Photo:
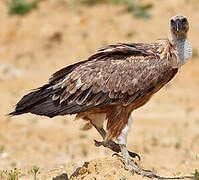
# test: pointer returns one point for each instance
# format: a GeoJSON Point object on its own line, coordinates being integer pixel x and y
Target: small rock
{"type": "Point", "coordinates": [4, 155]}
{"type": "Point", "coordinates": [62, 176]}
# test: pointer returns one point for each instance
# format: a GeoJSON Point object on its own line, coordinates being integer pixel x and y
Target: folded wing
{"type": "Point", "coordinates": [117, 74]}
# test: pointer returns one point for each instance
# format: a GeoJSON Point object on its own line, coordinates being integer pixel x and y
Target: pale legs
{"type": "Point", "coordinates": [122, 140]}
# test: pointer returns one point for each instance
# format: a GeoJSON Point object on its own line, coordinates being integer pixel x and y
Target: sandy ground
{"type": "Point", "coordinates": [165, 131]}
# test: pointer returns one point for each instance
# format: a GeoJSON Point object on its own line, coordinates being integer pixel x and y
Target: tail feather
{"type": "Point", "coordinates": [30, 99]}
{"type": "Point", "coordinates": [36, 102]}
{"type": "Point", "coordinates": [40, 102]}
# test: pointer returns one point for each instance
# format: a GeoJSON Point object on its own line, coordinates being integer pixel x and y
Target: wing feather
{"type": "Point", "coordinates": [125, 72]}
{"type": "Point", "coordinates": [125, 79]}
{"type": "Point", "coordinates": [116, 74]}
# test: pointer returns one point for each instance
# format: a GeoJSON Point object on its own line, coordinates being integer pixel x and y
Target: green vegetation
{"type": "Point", "coordinates": [88, 2]}
{"type": "Point", "coordinates": [10, 175]}
{"type": "Point", "coordinates": [15, 174]}
{"type": "Point", "coordinates": [35, 172]}
{"type": "Point", "coordinates": [138, 9]}
{"type": "Point", "coordinates": [123, 178]}
{"type": "Point", "coordinates": [21, 7]}
{"type": "Point", "coordinates": [196, 174]}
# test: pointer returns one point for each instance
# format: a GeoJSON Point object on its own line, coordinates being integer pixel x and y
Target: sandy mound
{"type": "Point", "coordinates": [32, 47]}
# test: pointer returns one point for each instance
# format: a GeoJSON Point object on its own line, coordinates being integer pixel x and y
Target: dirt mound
{"type": "Point", "coordinates": [114, 169]}
{"type": "Point", "coordinates": [104, 168]}
{"type": "Point", "coordinates": [32, 47]}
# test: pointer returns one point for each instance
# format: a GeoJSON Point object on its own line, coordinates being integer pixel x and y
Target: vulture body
{"type": "Point", "coordinates": [112, 83]}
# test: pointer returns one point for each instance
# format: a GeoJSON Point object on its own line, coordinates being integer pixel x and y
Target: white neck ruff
{"type": "Point", "coordinates": [184, 51]}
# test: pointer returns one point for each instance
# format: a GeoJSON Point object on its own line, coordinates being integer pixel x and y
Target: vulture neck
{"type": "Point", "coordinates": [184, 50]}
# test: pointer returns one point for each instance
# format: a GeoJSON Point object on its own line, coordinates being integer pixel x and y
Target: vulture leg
{"type": "Point", "coordinates": [122, 140]}
{"type": "Point", "coordinates": [129, 163]}
{"type": "Point", "coordinates": [101, 131]}
{"type": "Point", "coordinates": [111, 144]}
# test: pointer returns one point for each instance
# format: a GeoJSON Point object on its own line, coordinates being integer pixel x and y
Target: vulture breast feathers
{"type": "Point", "coordinates": [119, 74]}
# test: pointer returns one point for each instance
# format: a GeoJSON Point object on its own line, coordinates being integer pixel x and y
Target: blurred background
{"type": "Point", "coordinates": [39, 37]}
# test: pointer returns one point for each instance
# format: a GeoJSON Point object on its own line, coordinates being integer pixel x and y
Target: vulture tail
{"type": "Point", "coordinates": [38, 102]}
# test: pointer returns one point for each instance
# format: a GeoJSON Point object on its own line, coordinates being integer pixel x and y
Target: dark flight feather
{"type": "Point", "coordinates": [122, 76]}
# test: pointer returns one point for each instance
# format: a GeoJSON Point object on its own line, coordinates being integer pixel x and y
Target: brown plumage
{"type": "Point", "coordinates": [116, 80]}
{"type": "Point", "coordinates": [111, 84]}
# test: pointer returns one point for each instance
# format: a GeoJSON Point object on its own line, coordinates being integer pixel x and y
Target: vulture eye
{"type": "Point", "coordinates": [172, 21]}
{"type": "Point", "coordinates": [184, 20]}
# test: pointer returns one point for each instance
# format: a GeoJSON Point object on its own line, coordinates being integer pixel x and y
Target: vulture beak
{"type": "Point", "coordinates": [178, 25]}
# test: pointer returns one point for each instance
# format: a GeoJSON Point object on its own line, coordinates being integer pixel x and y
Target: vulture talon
{"type": "Point", "coordinates": [134, 155]}
{"type": "Point", "coordinates": [116, 154]}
